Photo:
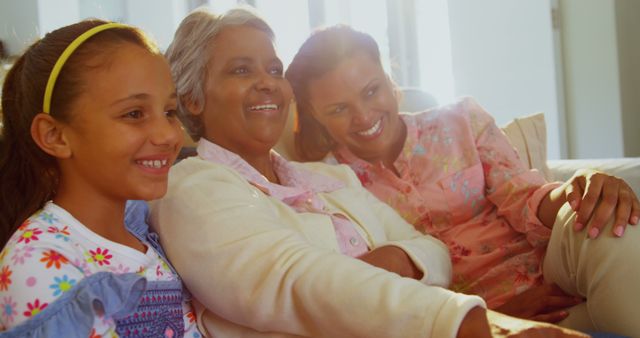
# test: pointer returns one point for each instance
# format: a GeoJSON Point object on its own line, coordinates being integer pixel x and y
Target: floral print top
{"type": "Point", "coordinates": [52, 251]}
{"type": "Point", "coordinates": [462, 182]}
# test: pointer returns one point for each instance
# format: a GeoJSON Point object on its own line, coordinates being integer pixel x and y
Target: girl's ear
{"type": "Point", "coordinates": [48, 134]}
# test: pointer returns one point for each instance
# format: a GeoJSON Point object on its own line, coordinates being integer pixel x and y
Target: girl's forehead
{"type": "Point", "coordinates": [131, 71]}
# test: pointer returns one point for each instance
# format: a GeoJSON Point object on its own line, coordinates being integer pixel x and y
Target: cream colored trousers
{"type": "Point", "coordinates": [605, 270]}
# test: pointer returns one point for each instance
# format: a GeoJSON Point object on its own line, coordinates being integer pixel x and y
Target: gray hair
{"type": "Point", "coordinates": [188, 56]}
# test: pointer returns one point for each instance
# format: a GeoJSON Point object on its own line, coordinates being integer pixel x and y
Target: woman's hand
{"type": "Point", "coordinates": [544, 303]}
{"type": "Point", "coordinates": [394, 259]}
{"type": "Point", "coordinates": [595, 197]}
{"type": "Point", "coordinates": [481, 323]}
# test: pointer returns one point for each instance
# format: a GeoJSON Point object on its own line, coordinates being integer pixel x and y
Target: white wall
{"type": "Point", "coordinates": [628, 29]}
{"type": "Point", "coordinates": [503, 55]}
{"type": "Point", "coordinates": [287, 40]}
{"type": "Point", "coordinates": [23, 22]}
{"type": "Point", "coordinates": [434, 49]}
{"type": "Point", "coordinates": [162, 23]}
{"type": "Point", "coordinates": [55, 14]}
{"type": "Point", "coordinates": [112, 10]}
{"type": "Point", "coordinates": [585, 75]}
{"type": "Point", "coordinates": [592, 83]}
{"type": "Point", "coordinates": [18, 24]}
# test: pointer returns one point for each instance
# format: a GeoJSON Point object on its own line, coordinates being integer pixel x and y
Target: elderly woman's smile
{"type": "Point", "coordinates": [268, 108]}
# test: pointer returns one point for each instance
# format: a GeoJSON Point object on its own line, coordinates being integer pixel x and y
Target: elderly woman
{"type": "Point", "coordinates": [272, 248]}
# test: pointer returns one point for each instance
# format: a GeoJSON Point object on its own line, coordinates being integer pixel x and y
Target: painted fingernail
{"type": "Point", "coordinates": [578, 226]}
{"type": "Point", "coordinates": [593, 233]}
{"type": "Point", "coordinates": [619, 231]}
{"type": "Point", "coordinates": [634, 220]}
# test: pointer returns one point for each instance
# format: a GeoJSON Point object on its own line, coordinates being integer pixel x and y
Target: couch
{"type": "Point", "coordinates": [528, 135]}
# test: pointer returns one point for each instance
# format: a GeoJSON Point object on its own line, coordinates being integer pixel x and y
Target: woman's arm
{"type": "Point", "coordinates": [242, 257]}
{"type": "Point", "coordinates": [596, 197]}
{"type": "Point", "coordinates": [396, 245]}
{"type": "Point", "coordinates": [394, 259]}
{"type": "Point", "coordinates": [522, 196]}
{"type": "Point", "coordinates": [515, 190]}
{"type": "Point", "coordinates": [549, 207]}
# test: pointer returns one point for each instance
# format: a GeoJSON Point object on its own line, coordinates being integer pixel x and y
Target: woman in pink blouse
{"type": "Point", "coordinates": [452, 173]}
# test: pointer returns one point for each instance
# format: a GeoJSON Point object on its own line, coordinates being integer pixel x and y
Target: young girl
{"type": "Point", "coordinates": [89, 123]}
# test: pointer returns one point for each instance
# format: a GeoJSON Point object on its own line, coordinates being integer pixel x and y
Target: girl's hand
{"type": "Point", "coordinates": [595, 197]}
{"type": "Point", "coordinates": [481, 323]}
{"type": "Point", "coordinates": [544, 303]}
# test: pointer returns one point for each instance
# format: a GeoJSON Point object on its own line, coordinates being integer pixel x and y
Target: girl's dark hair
{"type": "Point", "coordinates": [321, 53]}
{"type": "Point", "coordinates": [28, 175]}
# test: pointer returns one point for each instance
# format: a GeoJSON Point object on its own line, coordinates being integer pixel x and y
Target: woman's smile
{"type": "Point", "coordinates": [373, 132]}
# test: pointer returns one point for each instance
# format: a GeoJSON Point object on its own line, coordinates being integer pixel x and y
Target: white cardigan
{"type": "Point", "coordinates": [258, 268]}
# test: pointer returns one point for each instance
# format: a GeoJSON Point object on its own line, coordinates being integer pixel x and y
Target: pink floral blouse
{"type": "Point", "coordinates": [462, 182]}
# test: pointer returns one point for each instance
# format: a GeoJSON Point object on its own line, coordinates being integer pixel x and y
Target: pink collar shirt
{"type": "Point", "coordinates": [298, 189]}
{"type": "Point", "coordinates": [462, 182]}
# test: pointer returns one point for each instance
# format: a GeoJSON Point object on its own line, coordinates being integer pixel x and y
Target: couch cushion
{"type": "Point", "coordinates": [627, 168]}
{"type": "Point", "coordinates": [529, 136]}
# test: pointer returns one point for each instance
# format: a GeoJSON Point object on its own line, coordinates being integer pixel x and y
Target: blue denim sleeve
{"type": "Point", "coordinates": [136, 214]}
{"type": "Point", "coordinates": [72, 315]}
{"type": "Point", "coordinates": [136, 219]}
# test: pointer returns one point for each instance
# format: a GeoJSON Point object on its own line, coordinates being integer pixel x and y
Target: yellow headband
{"type": "Point", "coordinates": [48, 92]}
